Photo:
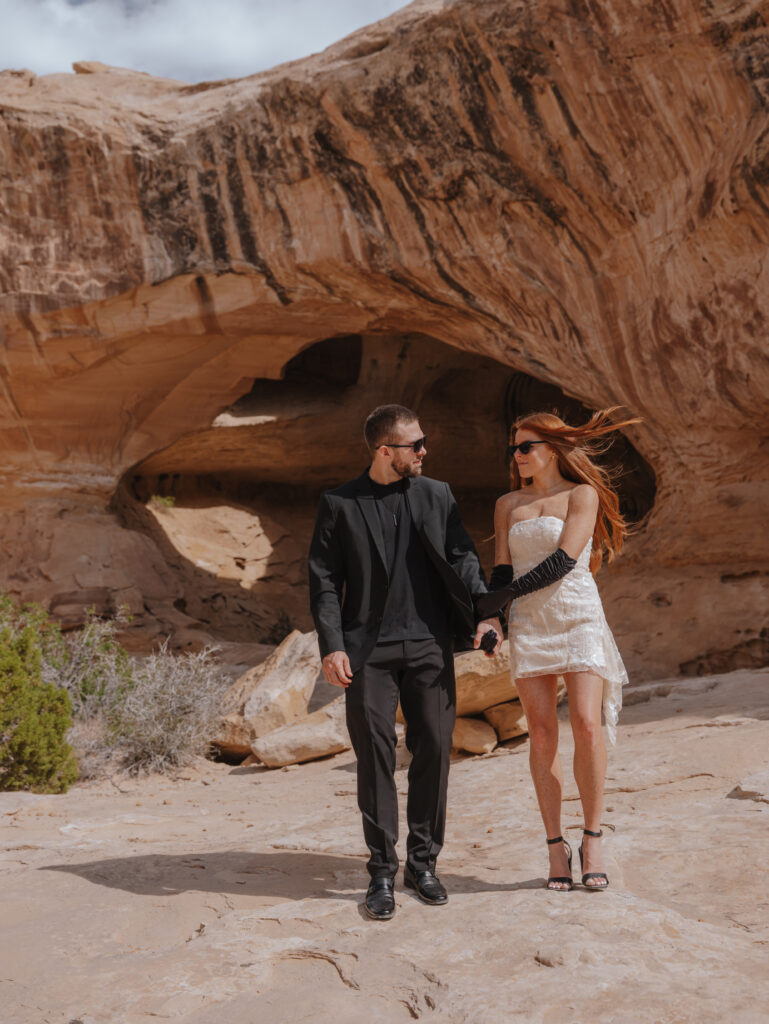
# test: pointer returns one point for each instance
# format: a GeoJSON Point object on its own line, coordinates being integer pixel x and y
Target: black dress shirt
{"type": "Point", "coordinates": [417, 605]}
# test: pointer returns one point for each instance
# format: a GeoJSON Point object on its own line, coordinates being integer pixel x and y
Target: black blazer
{"type": "Point", "coordinates": [348, 567]}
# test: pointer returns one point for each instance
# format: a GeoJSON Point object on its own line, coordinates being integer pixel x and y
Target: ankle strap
{"type": "Point", "coordinates": [595, 835]}
{"type": "Point", "coordinates": [558, 839]}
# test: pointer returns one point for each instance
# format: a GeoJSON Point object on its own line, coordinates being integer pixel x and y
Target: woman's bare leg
{"type": "Point", "coordinates": [585, 695]}
{"type": "Point", "coordinates": [538, 698]}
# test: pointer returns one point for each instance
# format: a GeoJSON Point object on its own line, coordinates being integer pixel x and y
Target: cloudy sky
{"type": "Point", "coordinates": [192, 40]}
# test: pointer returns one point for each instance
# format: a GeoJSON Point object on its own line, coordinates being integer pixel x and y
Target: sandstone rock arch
{"type": "Point", "coordinates": [282, 443]}
{"type": "Point", "coordinates": [578, 192]}
{"type": "Point", "coordinates": [277, 447]}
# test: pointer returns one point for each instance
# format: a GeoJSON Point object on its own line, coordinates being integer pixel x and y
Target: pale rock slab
{"type": "Point", "coordinates": [508, 720]}
{"type": "Point", "coordinates": [474, 736]}
{"type": "Point", "coordinates": [265, 870]}
{"type": "Point", "coordinates": [272, 695]}
{"type": "Point", "coordinates": [483, 682]}
{"type": "Point", "coordinates": [322, 733]}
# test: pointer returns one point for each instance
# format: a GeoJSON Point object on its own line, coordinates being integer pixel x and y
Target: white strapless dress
{"type": "Point", "coordinates": [562, 628]}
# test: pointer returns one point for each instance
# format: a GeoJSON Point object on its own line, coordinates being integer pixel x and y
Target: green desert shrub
{"type": "Point", "coordinates": [47, 632]}
{"type": "Point", "coordinates": [34, 719]}
{"type": "Point", "coordinates": [134, 714]}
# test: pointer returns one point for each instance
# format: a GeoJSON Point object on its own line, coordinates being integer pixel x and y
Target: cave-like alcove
{"type": "Point", "coordinates": [233, 505]}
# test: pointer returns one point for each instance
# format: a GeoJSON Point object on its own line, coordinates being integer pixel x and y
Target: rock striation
{"type": "Point", "coordinates": [576, 192]}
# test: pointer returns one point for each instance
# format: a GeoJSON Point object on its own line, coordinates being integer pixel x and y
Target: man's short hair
{"type": "Point", "coordinates": [381, 423]}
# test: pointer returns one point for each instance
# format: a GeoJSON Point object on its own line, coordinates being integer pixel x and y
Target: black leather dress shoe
{"type": "Point", "coordinates": [380, 901]}
{"type": "Point", "coordinates": [427, 886]}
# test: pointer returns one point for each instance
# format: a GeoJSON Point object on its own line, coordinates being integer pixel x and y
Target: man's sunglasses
{"type": "Point", "coordinates": [524, 447]}
{"type": "Point", "coordinates": [415, 446]}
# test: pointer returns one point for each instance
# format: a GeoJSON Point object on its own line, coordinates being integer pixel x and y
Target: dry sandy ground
{"type": "Point", "coordinates": [234, 894]}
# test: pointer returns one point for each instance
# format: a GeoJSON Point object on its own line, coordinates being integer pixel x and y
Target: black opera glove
{"type": "Point", "coordinates": [501, 576]}
{"type": "Point", "coordinates": [549, 570]}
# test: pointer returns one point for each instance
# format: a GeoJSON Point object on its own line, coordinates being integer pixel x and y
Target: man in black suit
{"type": "Point", "coordinates": [393, 582]}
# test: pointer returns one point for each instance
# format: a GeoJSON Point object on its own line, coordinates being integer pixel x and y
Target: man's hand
{"type": "Point", "coordinates": [484, 627]}
{"type": "Point", "coordinates": [336, 669]}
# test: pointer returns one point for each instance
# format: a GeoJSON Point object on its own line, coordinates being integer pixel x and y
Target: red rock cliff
{"type": "Point", "coordinates": [577, 190]}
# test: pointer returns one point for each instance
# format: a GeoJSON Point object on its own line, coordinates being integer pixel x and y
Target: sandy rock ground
{"type": "Point", "coordinates": [234, 894]}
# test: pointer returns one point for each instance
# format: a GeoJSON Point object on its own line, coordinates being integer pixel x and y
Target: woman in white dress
{"type": "Point", "coordinates": [552, 530]}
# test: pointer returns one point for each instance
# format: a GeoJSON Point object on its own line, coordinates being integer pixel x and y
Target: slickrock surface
{"type": "Point", "coordinates": [577, 191]}
{"type": "Point", "coordinates": [234, 894]}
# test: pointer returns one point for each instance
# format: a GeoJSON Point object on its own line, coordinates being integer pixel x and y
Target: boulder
{"type": "Point", "coordinates": [474, 736]}
{"type": "Point", "coordinates": [317, 735]}
{"type": "Point", "coordinates": [483, 682]}
{"type": "Point", "coordinates": [272, 695]}
{"type": "Point", "coordinates": [507, 719]}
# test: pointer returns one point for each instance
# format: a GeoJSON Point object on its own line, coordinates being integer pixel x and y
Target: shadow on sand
{"type": "Point", "coordinates": [287, 875]}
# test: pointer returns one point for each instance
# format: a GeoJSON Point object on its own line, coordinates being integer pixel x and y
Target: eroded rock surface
{"type": "Point", "coordinates": [204, 901]}
{"type": "Point", "coordinates": [579, 192]}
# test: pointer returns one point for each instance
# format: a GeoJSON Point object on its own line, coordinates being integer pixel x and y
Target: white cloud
{"type": "Point", "coordinates": [192, 40]}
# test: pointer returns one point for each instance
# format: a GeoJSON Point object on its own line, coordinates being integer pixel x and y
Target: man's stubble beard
{"type": "Point", "coordinates": [406, 470]}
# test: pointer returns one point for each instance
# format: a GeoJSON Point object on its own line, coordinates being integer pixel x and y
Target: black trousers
{"type": "Point", "coordinates": [421, 674]}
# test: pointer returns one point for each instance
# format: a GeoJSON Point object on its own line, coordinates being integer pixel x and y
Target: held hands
{"type": "Point", "coordinates": [484, 627]}
{"type": "Point", "coordinates": [336, 669]}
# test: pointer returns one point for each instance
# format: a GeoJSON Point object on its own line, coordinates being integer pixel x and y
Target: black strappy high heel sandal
{"type": "Point", "coordinates": [569, 882]}
{"type": "Point", "coordinates": [592, 874]}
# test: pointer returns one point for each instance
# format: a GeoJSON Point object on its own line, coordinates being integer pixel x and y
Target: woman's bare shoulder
{"type": "Point", "coordinates": [583, 497]}
{"type": "Point", "coordinates": [508, 501]}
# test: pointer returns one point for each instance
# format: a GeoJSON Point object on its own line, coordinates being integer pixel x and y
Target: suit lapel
{"type": "Point", "coordinates": [411, 497]}
{"type": "Point", "coordinates": [365, 499]}
{"type": "Point", "coordinates": [420, 516]}
{"type": "Point", "coordinates": [421, 519]}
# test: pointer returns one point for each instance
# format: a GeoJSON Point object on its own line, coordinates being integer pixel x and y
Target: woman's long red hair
{"type": "Point", "coordinates": [575, 448]}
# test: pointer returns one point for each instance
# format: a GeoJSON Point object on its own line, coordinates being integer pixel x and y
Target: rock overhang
{"type": "Point", "coordinates": [577, 194]}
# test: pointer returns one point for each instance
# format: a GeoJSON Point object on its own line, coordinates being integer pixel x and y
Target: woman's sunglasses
{"type": "Point", "coordinates": [524, 447]}
{"type": "Point", "coordinates": [416, 446]}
